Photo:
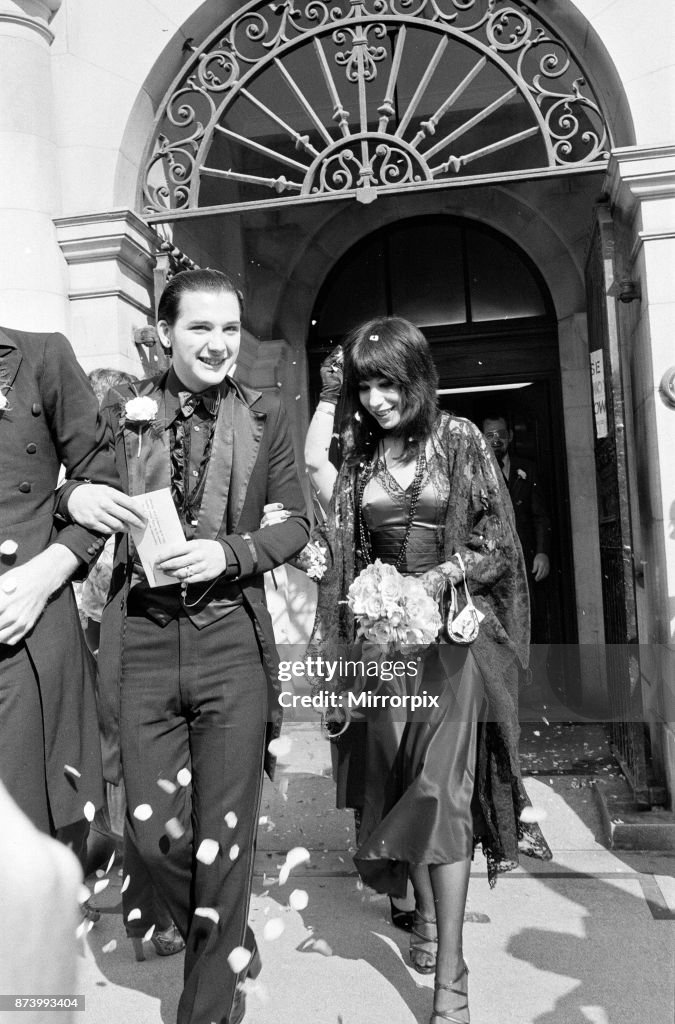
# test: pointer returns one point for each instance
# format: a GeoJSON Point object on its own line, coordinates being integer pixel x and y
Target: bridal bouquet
{"type": "Point", "coordinates": [393, 609]}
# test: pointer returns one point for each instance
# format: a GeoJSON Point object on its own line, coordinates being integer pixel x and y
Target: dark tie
{"type": "Point", "coordinates": [209, 398]}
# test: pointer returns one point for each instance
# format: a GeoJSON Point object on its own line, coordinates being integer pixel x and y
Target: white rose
{"type": "Point", "coordinates": [141, 410]}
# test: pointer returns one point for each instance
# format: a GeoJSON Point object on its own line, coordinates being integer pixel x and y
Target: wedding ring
{"type": "Point", "coordinates": [188, 572]}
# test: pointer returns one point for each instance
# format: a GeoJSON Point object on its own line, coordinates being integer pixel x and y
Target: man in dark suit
{"type": "Point", "coordinates": [534, 530]}
{"type": "Point", "coordinates": [532, 520]}
{"type": "Point", "coordinates": [188, 671]}
{"type": "Point", "coordinates": [49, 745]}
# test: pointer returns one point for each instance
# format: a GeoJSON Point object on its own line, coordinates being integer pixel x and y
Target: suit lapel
{"type": "Point", "coordinates": [150, 469]}
{"type": "Point", "coordinates": [218, 472]}
{"type": "Point", "coordinates": [248, 430]}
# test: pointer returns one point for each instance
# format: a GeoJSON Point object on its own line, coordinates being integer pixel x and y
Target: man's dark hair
{"type": "Point", "coordinates": [194, 281]}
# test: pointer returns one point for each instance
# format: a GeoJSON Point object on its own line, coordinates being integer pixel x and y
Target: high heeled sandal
{"type": "Point", "coordinates": [449, 1015]}
{"type": "Point", "coordinates": [418, 946]}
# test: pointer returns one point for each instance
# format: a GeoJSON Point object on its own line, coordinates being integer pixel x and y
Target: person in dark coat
{"type": "Point", "coordinates": [188, 672]}
{"type": "Point", "coordinates": [50, 758]}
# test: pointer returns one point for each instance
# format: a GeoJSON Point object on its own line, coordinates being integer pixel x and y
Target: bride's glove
{"type": "Point", "coordinates": [332, 374]}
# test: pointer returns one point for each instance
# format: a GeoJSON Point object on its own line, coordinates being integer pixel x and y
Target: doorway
{"type": "Point", "coordinates": [489, 318]}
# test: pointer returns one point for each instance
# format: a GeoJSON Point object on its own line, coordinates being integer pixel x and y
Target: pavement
{"type": "Point", "coordinates": [588, 938]}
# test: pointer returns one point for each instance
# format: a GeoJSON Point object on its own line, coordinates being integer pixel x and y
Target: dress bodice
{"type": "Point", "coordinates": [385, 509]}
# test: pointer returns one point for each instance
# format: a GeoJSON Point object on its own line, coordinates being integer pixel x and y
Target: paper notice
{"type": "Point", "coordinates": [162, 527]}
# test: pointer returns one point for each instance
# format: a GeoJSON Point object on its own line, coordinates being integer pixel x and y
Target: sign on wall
{"type": "Point", "coordinates": [599, 395]}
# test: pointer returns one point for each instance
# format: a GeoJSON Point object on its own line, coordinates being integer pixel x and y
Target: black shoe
{"type": "Point", "coordinates": [402, 919]}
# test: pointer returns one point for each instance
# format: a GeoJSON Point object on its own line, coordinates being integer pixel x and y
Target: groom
{"type": "Point", "coordinates": [188, 671]}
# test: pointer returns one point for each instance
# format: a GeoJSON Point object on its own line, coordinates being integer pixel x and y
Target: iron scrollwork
{"type": "Point", "coordinates": [355, 50]}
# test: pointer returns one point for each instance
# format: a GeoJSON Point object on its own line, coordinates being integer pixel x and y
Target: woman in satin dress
{"type": "Point", "coordinates": [416, 488]}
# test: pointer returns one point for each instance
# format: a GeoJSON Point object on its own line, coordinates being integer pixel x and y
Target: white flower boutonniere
{"type": "Point", "coordinates": [522, 474]}
{"type": "Point", "coordinates": [140, 411]}
{"type": "Point", "coordinates": [3, 402]}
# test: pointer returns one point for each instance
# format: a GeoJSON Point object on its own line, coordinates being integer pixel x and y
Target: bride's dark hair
{"type": "Point", "coordinates": [392, 348]}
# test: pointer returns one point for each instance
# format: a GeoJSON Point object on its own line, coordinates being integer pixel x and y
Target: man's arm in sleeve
{"type": "Point", "coordinates": [82, 440]}
{"type": "Point", "coordinates": [262, 550]}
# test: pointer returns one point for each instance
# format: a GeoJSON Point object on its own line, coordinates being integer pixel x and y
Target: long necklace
{"type": "Point", "coordinates": [364, 533]}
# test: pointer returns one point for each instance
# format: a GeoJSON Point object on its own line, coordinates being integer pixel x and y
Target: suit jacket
{"type": "Point", "coordinates": [251, 463]}
{"type": "Point", "coordinates": [51, 419]}
{"type": "Point", "coordinates": [532, 519]}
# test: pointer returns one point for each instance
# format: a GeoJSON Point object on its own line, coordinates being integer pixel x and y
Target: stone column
{"type": "Point", "coordinates": [642, 189]}
{"type": "Point", "coordinates": [33, 292]}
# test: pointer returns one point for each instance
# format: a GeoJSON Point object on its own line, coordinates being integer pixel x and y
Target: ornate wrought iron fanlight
{"type": "Point", "coordinates": [313, 99]}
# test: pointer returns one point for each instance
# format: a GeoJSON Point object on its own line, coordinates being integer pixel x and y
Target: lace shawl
{"type": "Point", "coordinates": [480, 526]}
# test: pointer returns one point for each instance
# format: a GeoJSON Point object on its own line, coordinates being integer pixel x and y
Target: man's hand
{"type": "Point", "coordinates": [24, 591]}
{"type": "Point", "coordinates": [540, 567]}
{"type": "Point", "coordinates": [102, 508]}
{"type": "Point", "coordinates": [272, 514]}
{"type": "Point", "coordinates": [192, 561]}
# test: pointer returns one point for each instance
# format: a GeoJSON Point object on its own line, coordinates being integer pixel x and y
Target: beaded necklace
{"type": "Point", "coordinates": [367, 471]}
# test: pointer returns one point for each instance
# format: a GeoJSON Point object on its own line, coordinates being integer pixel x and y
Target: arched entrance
{"type": "Point", "coordinates": [486, 310]}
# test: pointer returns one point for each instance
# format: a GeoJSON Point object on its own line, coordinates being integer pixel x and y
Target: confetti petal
{"type": "Point", "coordinates": [280, 746]}
{"type": "Point", "coordinates": [101, 885]}
{"type": "Point", "coordinates": [231, 819]}
{"type": "Point", "coordinates": [239, 959]}
{"type": "Point", "coordinates": [109, 947]}
{"type": "Point", "coordinates": [134, 915]}
{"type": "Point", "coordinates": [532, 814]}
{"type": "Point", "coordinates": [125, 883]}
{"type": "Point", "coordinates": [9, 547]}
{"type": "Point", "coordinates": [174, 829]}
{"type": "Point", "coordinates": [209, 912]}
{"type": "Point", "coordinates": [148, 935]}
{"type": "Point", "coordinates": [322, 947]}
{"type": "Point", "coordinates": [298, 899]}
{"type": "Point", "coordinates": [298, 855]}
{"type": "Point", "coordinates": [208, 851]}
{"type": "Point", "coordinates": [72, 771]}
{"type": "Point", "coordinates": [184, 777]}
{"type": "Point", "coordinates": [166, 785]}
{"type": "Point", "coordinates": [283, 874]}
{"type": "Point", "coordinates": [143, 812]}
{"type": "Point", "coordinates": [234, 852]}
{"type": "Point", "coordinates": [89, 811]}
{"type": "Point", "coordinates": [110, 862]}
{"type": "Point", "coordinates": [273, 929]}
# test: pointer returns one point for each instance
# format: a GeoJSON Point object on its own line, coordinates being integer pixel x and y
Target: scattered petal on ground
{"type": "Point", "coordinates": [101, 885]}
{"type": "Point", "coordinates": [184, 777]}
{"type": "Point", "coordinates": [298, 899]}
{"type": "Point", "coordinates": [89, 810]}
{"type": "Point", "coordinates": [109, 947]}
{"type": "Point", "coordinates": [174, 829]}
{"type": "Point", "coordinates": [231, 819]}
{"type": "Point", "coordinates": [166, 785]}
{"type": "Point", "coordinates": [273, 929]}
{"type": "Point", "coordinates": [298, 855]}
{"type": "Point", "coordinates": [143, 812]}
{"type": "Point", "coordinates": [321, 946]}
{"type": "Point", "coordinates": [209, 912]}
{"type": "Point", "coordinates": [280, 746]}
{"type": "Point", "coordinates": [208, 851]}
{"type": "Point", "coordinates": [283, 789]}
{"type": "Point", "coordinates": [532, 814]}
{"type": "Point", "coordinates": [239, 959]}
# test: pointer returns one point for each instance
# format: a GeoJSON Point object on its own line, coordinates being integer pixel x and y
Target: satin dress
{"type": "Point", "coordinates": [419, 770]}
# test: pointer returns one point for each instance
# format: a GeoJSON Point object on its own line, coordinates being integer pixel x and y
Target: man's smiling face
{"type": "Point", "coordinates": [205, 337]}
